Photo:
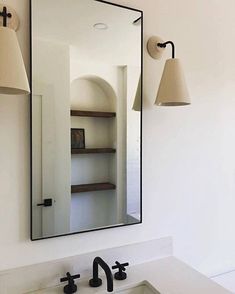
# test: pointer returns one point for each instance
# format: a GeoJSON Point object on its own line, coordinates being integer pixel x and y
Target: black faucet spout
{"type": "Point", "coordinates": [96, 281]}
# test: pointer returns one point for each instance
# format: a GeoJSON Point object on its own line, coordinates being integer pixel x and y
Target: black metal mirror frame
{"type": "Point", "coordinates": [141, 130]}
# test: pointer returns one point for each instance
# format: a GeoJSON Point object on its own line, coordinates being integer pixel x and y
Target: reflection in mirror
{"type": "Point", "coordinates": [86, 116]}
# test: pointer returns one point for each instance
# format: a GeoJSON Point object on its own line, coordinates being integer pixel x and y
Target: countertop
{"type": "Point", "coordinates": [168, 275]}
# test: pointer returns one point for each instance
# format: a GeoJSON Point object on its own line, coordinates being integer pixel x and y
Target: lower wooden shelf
{"type": "Point", "coordinates": [92, 187]}
{"type": "Point", "coordinates": [93, 150]}
{"type": "Point", "coordinates": [92, 113]}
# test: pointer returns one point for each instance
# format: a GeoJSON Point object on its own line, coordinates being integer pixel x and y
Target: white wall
{"type": "Point", "coordinates": [189, 174]}
{"type": "Point", "coordinates": [51, 68]}
{"type": "Point", "coordinates": [133, 142]}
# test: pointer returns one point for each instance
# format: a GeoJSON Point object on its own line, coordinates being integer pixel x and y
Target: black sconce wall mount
{"type": "Point", "coordinates": [8, 17]}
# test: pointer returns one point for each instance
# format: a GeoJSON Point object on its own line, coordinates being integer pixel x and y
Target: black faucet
{"type": "Point", "coordinates": [95, 281]}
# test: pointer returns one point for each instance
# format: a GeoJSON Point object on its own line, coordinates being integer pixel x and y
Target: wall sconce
{"type": "Point", "coordinates": [13, 77]}
{"type": "Point", "coordinates": [173, 89]}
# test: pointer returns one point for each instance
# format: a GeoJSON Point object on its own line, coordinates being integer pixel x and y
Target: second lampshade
{"type": "Point", "coordinates": [173, 89]}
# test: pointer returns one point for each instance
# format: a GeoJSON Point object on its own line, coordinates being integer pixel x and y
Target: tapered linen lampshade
{"type": "Point", "coordinates": [13, 77]}
{"type": "Point", "coordinates": [173, 89]}
{"type": "Point", "coordinates": [137, 102]}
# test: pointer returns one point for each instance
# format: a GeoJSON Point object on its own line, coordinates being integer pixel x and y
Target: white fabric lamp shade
{"type": "Point", "coordinates": [137, 102]}
{"type": "Point", "coordinates": [13, 77]}
{"type": "Point", "coordinates": [173, 89]}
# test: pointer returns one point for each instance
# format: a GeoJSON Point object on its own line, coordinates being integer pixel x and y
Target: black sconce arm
{"type": "Point", "coordinates": [163, 45]}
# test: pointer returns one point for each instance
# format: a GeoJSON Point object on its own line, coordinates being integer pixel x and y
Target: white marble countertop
{"type": "Point", "coordinates": [167, 275]}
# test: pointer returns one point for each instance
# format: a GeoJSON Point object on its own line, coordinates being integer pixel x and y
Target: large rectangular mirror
{"type": "Point", "coordinates": [86, 114]}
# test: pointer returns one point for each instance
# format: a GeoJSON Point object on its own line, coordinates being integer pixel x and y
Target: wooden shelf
{"type": "Point", "coordinates": [92, 114]}
{"type": "Point", "coordinates": [93, 151]}
{"type": "Point", "coordinates": [92, 187]}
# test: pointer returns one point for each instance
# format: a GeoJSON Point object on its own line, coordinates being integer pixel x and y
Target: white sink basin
{"type": "Point", "coordinates": [144, 288]}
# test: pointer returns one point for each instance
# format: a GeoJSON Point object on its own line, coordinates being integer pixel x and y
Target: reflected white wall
{"type": "Point", "coordinates": [52, 71]}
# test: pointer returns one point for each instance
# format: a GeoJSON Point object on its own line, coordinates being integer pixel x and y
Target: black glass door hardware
{"type": "Point", "coordinates": [46, 203]}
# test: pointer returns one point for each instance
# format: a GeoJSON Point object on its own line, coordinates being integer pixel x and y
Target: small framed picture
{"type": "Point", "coordinates": [77, 139]}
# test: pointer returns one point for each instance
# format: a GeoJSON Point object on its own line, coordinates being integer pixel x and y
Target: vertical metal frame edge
{"type": "Point", "coordinates": [141, 129]}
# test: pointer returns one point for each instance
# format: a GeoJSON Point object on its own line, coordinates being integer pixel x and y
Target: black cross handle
{"type": "Point", "coordinates": [120, 275]}
{"type": "Point", "coordinates": [71, 287]}
{"type": "Point", "coordinates": [69, 278]}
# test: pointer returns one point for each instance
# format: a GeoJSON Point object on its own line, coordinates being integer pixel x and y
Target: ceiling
{"type": "Point", "coordinates": [72, 22]}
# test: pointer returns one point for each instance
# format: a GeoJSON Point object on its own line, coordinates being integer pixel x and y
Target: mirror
{"type": "Point", "coordinates": [86, 116]}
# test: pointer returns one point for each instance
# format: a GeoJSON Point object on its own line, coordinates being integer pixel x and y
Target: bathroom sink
{"type": "Point", "coordinates": [144, 288]}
